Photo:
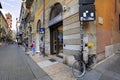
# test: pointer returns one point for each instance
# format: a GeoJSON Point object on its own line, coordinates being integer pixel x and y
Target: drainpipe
{"type": "Point", "coordinates": [44, 27]}
{"type": "Point", "coordinates": [83, 43]}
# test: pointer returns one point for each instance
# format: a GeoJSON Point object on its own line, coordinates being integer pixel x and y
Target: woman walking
{"type": "Point", "coordinates": [33, 47]}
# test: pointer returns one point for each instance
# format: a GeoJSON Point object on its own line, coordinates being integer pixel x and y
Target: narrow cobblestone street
{"type": "Point", "coordinates": [15, 65]}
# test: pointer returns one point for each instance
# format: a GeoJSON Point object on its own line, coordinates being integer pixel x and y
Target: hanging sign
{"type": "Point", "coordinates": [87, 12]}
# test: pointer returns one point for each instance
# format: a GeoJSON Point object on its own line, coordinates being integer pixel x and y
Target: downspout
{"type": "Point", "coordinates": [44, 27]}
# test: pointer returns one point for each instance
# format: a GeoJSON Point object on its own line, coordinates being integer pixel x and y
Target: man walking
{"type": "Point", "coordinates": [26, 45]}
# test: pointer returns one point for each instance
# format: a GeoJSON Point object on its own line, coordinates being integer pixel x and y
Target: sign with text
{"type": "Point", "coordinates": [42, 30]}
{"type": "Point", "coordinates": [87, 13]}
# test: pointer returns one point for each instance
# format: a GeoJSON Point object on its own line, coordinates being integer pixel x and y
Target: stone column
{"type": "Point", "coordinates": [37, 43]}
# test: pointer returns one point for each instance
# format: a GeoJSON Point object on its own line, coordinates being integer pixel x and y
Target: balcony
{"type": "Point", "coordinates": [27, 18]}
{"type": "Point", "coordinates": [29, 3]}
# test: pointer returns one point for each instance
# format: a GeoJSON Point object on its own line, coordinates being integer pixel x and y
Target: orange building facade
{"type": "Point", "coordinates": [107, 25]}
{"type": "Point", "coordinates": [9, 19]}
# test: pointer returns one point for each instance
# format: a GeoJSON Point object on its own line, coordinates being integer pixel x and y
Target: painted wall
{"type": "Point", "coordinates": [107, 24]}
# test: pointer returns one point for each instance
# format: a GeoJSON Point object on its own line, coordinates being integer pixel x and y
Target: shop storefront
{"type": "Point", "coordinates": [56, 29]}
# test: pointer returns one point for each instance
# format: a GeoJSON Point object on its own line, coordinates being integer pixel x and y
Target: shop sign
{"type": "Point", "coordinates": [42, 30]}
{"type": "Point", "coordinates": [87, 13]}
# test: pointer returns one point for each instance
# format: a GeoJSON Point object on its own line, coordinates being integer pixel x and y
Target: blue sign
{"type": "Point", "coordinates": [42, 30]}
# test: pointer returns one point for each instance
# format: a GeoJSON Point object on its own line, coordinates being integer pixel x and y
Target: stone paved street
{"type": "Point", "coordinates": [15, 65]}
{"type": "Point", "coordinates": [108, 69]}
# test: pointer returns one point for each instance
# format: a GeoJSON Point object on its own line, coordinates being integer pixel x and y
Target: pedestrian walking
{"type": "Point", "coordinates": [18, 42]}
{"type": "Point", "coordinates": [33, 47]}
{"type": "Point", "coordinates": [0, 44]}
{"type": "Point", "coordinates": [26, 45]}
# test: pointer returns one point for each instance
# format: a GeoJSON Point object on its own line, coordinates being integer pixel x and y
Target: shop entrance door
{"type": "Point", "coordinates": [57, 40]}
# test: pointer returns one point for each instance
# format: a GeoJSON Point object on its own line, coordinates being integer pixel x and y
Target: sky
{"type": "Point", "coordinates": [13, 7]}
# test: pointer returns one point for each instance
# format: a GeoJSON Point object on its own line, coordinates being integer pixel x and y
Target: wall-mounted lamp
{"type": "Point", "coordinates": [66, 8]}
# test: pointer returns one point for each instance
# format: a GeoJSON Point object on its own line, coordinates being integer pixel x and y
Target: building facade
{"type": "Point", "coordinates": [20, 22]}
{"type": "Point", "coordinates": [9, 19]}
{"type": "Point", "coordinates": [3, 27]}
{"type": "Point", "coordinates": [62, 29]}
{"type": "Point", "coordinates": [62, 35]}
{"type": "Point", "coordinates": [60, 19]}
{"type": "Point", "coordinates": [107, 27]}
{"type": "Point", "coordinates": [29, 19]}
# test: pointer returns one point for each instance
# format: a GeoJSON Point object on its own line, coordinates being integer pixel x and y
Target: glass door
{"type": "Point", "coordinates": [54, 41]}
{"type": "Point", "coordinates": [60, 39]}
{"type": "Point", "coordinates": [57, 40]}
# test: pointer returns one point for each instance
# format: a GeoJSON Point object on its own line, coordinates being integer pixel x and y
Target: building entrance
{"type": "Point", "coordinates": [56, 29]}
{"type": "Point", "coordinates": [57, 40]}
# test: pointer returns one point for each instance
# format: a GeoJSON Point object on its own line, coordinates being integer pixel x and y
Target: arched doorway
{"type": "Point", "coordinates": [38, 36]}
{"type": "Point", "coordinates": [56, 29]}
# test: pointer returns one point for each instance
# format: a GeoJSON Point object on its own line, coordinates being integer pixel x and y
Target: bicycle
{"type": "Point", "coordinates": [79, 66]}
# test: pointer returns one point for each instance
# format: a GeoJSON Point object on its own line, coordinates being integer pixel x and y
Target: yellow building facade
{"type": "Point", "coordinates": [60, 19]}
{"type": "Point", "coordinates": [3, 27]}
{"type": "Point", "coordinates": [62, 27]}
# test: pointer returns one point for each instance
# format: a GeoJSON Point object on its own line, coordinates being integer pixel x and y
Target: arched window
{"type": "Point", "coordinates": [56, 10]}
{"type": "Point", "coordinates": [38, 25]}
